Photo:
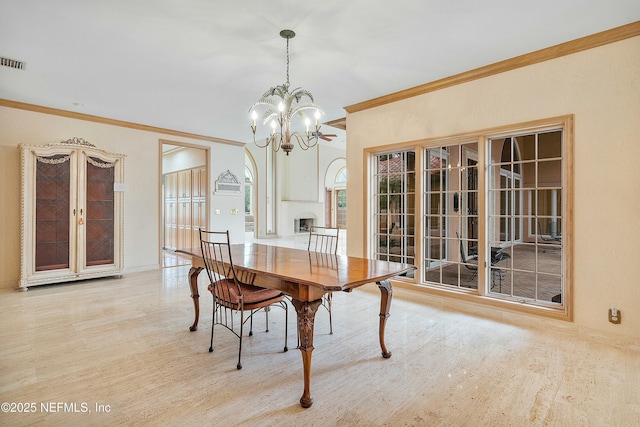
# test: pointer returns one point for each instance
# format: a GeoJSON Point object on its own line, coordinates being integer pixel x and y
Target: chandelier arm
{"type": "Point", "coordinates": [300, 140]}
{"type": "Point", "coordinates": [266, 142]}
{"type": "Point", "coordinates": [274, 140]}
{"type": "Point", "coordinates": [305, 141]}
{"type": "Point", "coordinates": [276, 146]}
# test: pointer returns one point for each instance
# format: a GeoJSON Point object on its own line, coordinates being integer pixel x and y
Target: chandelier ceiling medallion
{"type": "Point", "coordinates": [280, 107]}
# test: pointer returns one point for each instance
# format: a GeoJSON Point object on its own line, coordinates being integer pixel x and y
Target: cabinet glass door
{"type": "Point", "coordinates": [99, 216]}
{"type": "Point", "coordinates": [52, 189]}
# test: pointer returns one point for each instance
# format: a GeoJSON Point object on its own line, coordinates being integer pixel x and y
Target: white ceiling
{"type": "Point", "coordinates": [198, 65]}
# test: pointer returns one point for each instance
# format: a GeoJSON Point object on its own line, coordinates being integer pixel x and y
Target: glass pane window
{"type": "Point", "coordinates": [394, 196]}
{"type": "Point", "coordinates": [450, 221]}
{"type": "Point", "coordinates": [525, 216]}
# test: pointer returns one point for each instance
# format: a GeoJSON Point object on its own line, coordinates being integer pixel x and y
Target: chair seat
{"type": "Point", "coordinates": [254, 296]}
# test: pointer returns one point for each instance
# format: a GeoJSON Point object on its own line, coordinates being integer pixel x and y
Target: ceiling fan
{"type": "Point", "coordinates": [325, 136]}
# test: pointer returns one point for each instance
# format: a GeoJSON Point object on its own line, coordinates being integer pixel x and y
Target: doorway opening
{"type": "Point", "coordinates": [184, 190]}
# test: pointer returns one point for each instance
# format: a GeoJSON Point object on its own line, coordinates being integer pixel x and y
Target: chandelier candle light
{"type": "Point", "coordinates": [281, 105]}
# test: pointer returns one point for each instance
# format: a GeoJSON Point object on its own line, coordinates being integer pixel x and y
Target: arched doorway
{"type": "Point", "coordinates": [335, 184]}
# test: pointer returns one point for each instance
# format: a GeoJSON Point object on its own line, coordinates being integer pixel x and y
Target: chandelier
{"type": "Point", "coordinates": [280, 106]}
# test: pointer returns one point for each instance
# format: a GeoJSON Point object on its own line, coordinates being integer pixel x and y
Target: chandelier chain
{"type": "Point", "coordinates": [287, 61]}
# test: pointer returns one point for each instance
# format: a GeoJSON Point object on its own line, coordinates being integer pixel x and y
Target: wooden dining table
{"type": "Point", "coordinates": [304, 276]}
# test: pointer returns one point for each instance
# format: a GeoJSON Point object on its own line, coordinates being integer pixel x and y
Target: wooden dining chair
{"type": "Point", "coordinates": [324, 240]}
{"type": "Point", "coordinates": [234, 294]}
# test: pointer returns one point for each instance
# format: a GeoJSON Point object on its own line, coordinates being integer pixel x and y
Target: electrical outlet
{"type": "Point", "coordinates": [615, 316]}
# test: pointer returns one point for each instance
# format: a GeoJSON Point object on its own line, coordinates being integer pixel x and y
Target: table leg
{"type": "Point", "coordinates": [193, 284]}
{"type": "Point", "coordinates": [386, 292]}
{"type": "Point", "coordinates": [306, 314]}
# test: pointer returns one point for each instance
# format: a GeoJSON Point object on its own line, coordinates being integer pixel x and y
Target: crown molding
{"type": "Point", "coordinates": [113, 122]}
{"type": "Point", "coordinates": [553, 52]}
{"type": "Point", "coordinates": [340, 123]}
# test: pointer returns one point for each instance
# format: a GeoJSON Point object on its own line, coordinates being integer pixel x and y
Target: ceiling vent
{"type": "Point", "coordinates": [11, 63]}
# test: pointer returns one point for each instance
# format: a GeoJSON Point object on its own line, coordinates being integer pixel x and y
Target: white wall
{"type": "Point", "coordinates": [183, 158]}
{"type": "Point", "coordinates": [227, 157]}
{"type": "Point", "coordinates": [142, 177]}
{"type": "Point", "coordinates": [299, 185]}
{"type": "Point", "coordinates": [601, 88]}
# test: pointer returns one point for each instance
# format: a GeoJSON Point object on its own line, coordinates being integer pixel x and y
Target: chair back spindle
{"type": "Point", "coordinates": [323, 239]}
{"type": "Point", "coordinates": [216, 250]}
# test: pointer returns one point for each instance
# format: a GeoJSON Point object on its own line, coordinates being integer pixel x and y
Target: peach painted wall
{"type": "Point", "coordinates": [601, 88]}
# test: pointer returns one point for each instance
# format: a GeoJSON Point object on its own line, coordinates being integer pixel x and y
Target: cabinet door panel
{"type": "Point", "coordinates": [199, 189]}
{"type": "Point", "coordinates": [184, 224]}
{"type": "Point", "coordinates": [171, 186]}
{"type": "Point", "coordinates": [184, 184]}
{"type": "Point", "coordinates": [184, 214]}
{"type": "Point", "coordinates": [52, 206]}
{"type": "Point", "coordinates": [170, 237]}
{"type": "Point", "coordinates": [199, 218]}
{"type": "Point", "coordinates": [99, 217]}
{"type": "Point", "coordinates": [170, 225]}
